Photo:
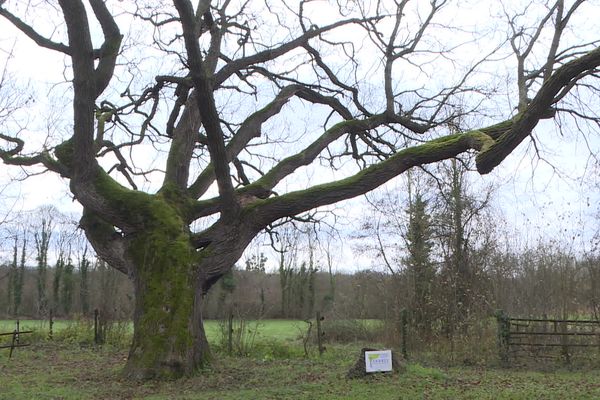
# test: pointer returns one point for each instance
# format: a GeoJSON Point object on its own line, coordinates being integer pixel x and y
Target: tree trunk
{"type": "Point", "coordinates": [170, 275]}
{"type": "Point", "coordinates": [169, 339]}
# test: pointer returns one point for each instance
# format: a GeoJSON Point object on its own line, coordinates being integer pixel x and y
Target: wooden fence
{"type": "Point", "coordinates": [15, 340]}
{"type": "Point", "coordinates": [544, 338]}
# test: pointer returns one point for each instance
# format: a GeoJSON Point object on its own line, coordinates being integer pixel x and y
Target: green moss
{"type": "Point", "coordinates": [64, 153]}
{"type": "Point", "coordinates": [165, 263]}
{"type": "Point", "coordinates": [142, 208]}
{"type": "Point", "coordinates": [102, 117]}
{"type": "Point", "coordinates": [166, 295]}
{"type": "Point", "coordinates": [174, 153]}
{"type": "Point", "coordinates": [483, 138]}
{"type": "Point", "coordinates": [178, 197]}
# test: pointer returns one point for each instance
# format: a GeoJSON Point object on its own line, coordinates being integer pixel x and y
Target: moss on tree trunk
{"type": "Point", "coordinates": [169, 339]}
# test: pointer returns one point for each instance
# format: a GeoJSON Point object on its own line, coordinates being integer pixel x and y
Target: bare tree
{"type": "Point", "coordinates": [228, 162]}
{"type": "Point", "coordinates": [459, 227]}
{"type": "Point", "coordinates": [9, 101]}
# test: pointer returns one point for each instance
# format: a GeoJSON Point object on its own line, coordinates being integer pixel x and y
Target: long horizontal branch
{"type": "Point", "coordinates": [13, 157]}
{"type": "Point", "coordinates": [290, 164]}
{"type": "Point", "coordinates": [251, 128]}
{"type": "Point", "coordinates": [293, 203]}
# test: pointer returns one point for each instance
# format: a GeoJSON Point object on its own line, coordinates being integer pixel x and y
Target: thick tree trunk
{"type": "Point", "coordinates": [169, 273]}
{"type": "Point", "coordinates": [169, 339]}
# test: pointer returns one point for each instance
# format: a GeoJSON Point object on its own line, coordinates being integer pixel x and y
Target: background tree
{"type": "Point", "coordinates": [459, 229]}
{"type": "Point", "coordinates": [84, 283]}
{"type": "Point", "coordinates": [228, 285]}
{"type": "Point", "coordinates": [288, 257]}
{"type": "Point", "coordinates": [67, 287]}
{"type": "Point", "coordinates": [419, 243]}
{"type": "Point", "coordinates": [12, 280]}
{"type": "Point", "coordinates": [329, 298]}
{"type": "Point", "coordinates": [59, 268]}
{"type": "Point", "coordinates": [42, 243]}
{"type": "Point", "coordinates": [257, 263]}
{"type": "Point", "coordinates": [227, 70]}
{"type": "Point", "coordinates": [20, 281]}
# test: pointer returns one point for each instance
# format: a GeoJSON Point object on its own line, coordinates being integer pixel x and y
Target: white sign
{"type": "Point", "coordinates": [378, 361]}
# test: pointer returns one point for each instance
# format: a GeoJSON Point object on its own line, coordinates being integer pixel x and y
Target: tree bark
{"type": "Point", "coordinates": [170, 278]}
{"type": "Point", "coordinates": [169, 340]}
{"type": "Point", "coordinates": [169, 275]}
{"type": "Point", "coordinates": [154, 246]}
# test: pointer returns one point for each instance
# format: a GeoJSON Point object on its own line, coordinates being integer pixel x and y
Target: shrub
{"type": "Point", "coordinates": [351, 330]}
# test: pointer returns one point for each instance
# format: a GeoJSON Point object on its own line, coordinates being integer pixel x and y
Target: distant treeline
{"type": "Point", "coordinates": [537, 282]}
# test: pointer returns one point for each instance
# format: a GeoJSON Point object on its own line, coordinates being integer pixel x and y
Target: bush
{"type": "Point", "coordinates": [77, 331]}
{"type": "Point", "coordinates": [351, 330]}
{"type": "Point", "coordinates": [473, 344]}
{"type": "Point", "coordinates": [114, 333]}
{"type": "Point", "coordinates": [272, 349]}
{"type": "Point", "coordinates": [239, 338]}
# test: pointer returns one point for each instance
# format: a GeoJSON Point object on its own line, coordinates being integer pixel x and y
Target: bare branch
{"type": "Point", "coordinates": [536, 110]}
{"type": "Point", "coordinates": [109, 49]}
{"type": "Point", "coordinates": [206, 106]}
{"type": "Point", "coordinates": [237, 65]}
{"type": "Point", "coordinates": [32, 33]}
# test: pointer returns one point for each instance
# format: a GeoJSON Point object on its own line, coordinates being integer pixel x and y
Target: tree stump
{"type": "Point", "coordinates": [359, 369]}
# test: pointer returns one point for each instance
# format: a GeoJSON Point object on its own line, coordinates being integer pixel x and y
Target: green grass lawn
{"type": "Point", "coordinates": [284, 330]}
{"type": "Point", "coordinates": [276, 369]}
{"type": "Point", "coordinates": [57, 371]}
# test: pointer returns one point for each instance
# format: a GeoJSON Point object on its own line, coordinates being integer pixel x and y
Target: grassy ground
{"type": "Point", "coordinates": [53, 371]}
{"type": "Point", "coordinates": [275, 370]}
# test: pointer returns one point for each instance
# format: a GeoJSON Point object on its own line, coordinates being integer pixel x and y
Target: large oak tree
{"type": "Point", "coordinates": [230, 70]}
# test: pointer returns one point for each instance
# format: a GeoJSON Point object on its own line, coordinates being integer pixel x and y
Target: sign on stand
{"type": "Point", "coordinates": [378, 361]}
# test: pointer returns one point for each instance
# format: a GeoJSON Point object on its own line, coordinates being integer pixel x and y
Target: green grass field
{"type": "Point", "coordinates": [266, 329]}
{"type": "Point", "coordinates": [277, 369]}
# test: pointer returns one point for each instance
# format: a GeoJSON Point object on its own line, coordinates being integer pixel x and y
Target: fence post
{"type": "Point", "coordinates": [51, 324]}
{"type": "Point", "coordinates": [320, 333]}
{"type": "Point", "coordinates": [565, 342]}
{"type": "Point", "coordinates": [230, 333]}
{"type": "Point", "coordinates": [96, 333]}
{"type": "Point", "coordinates": [503, 336]}
{"type": "Point", "coordinates": [12, 345]}
{"type": "Point", "coordinates": [18, 324]}
{"type": "Point", "coordinates": [15, 339]}
{"type": "Point", "coordinates": [404, 332]}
